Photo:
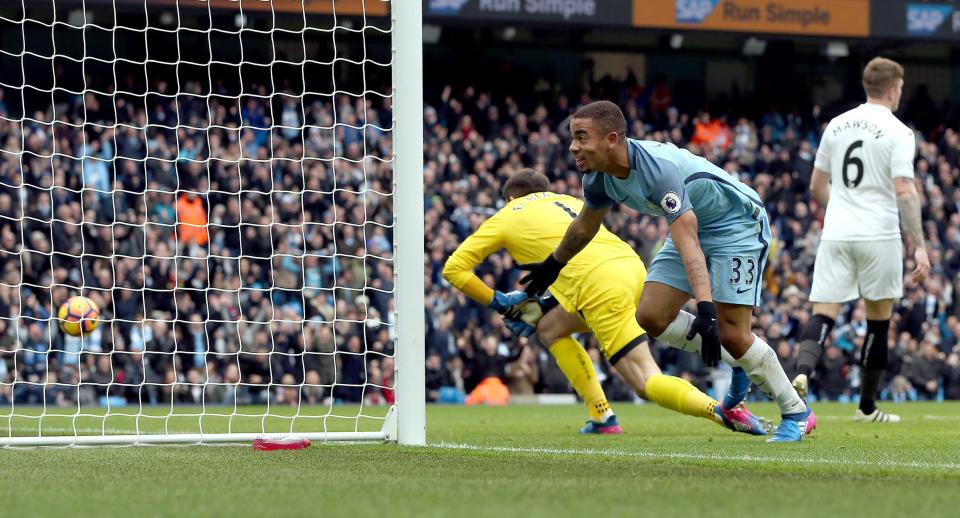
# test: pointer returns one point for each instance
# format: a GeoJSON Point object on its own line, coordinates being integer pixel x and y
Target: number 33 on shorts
{"type": "Point", "coordinates": [743, 273]}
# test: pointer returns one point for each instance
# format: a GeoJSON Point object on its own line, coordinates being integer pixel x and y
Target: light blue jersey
{"type": "Point", "coordinates": [732, 225]}
{"type": "Point", "coordinates": [668, 181]}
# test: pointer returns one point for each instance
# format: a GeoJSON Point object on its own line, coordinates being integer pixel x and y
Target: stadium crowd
{"type": "Point", "coordinates": [224, 257]}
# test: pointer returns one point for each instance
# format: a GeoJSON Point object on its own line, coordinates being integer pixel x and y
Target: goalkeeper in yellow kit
{"type": "Point", "coordinates": [584, 298]}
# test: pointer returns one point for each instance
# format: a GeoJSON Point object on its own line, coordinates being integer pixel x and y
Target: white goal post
{"type": "Point", "coordinates": [237, 184]}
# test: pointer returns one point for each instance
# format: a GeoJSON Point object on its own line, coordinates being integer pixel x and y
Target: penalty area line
{"type": "Point", "coordinates": [697, 456]}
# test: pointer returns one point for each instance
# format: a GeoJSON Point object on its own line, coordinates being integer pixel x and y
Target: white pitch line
{"type": "Point", "coordinates": [697, 456]}
{"type": "Point", "coordinates": [925, 416]}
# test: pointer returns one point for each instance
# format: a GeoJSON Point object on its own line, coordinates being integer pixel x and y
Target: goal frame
{"type": "Point", "coordinates": [408, 239]}
{"type": "Point", "coordinates": [405, 421]}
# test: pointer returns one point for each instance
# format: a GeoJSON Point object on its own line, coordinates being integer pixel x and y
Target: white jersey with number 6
{"type": "Point", "coordinates": [863, 150]}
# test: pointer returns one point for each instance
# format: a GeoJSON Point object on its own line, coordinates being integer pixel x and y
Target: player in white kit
{"type": "Point", "coordinates": [864, 169]}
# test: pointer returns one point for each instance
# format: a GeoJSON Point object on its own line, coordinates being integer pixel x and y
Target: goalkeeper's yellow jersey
{"type": "Point", "coordinates": [530, 228]}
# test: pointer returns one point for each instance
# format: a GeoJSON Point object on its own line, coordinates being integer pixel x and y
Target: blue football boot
{"type": "Point", "coordinates": [794, 426]}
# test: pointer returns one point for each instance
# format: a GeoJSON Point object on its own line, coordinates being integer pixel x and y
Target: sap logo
{"type": "Point", "coordinates": [694, 11]}
{"type": "Point", "coordinates": [925, 19]}
{"type": "Point", "coordinates": [447, 6]}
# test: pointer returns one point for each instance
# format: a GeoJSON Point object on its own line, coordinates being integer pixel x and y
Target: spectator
{"type": "Point", "coordinates": [832, 376]}
{"type": "Point", "coordinates": [349, 384]}
{"type": "Point", "coordinates": [436, 377]}
{"type": "Point", "coordinates": [951, 381]}
{"type": "Point", "coordinates": [924, 370]}
{"type": "Point", "coordinates": [711, 134]}
{"type": "Point", "coordinates": [901, 390]}
{"type": "Point", "coordinates": [488, 367]}
{"type": "Point", "coordinates": [786, 356]}
{"type": "Point", "coordinates": [524, 373]}
{"type": "Point", "coordinates": [192, 218]}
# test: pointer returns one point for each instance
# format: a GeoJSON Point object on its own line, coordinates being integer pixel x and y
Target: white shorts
{"type": "Point", "coordinates": [848, 270]}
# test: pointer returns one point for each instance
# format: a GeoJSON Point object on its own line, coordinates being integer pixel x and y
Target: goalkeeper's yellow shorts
{"type": "Point", "coordinates": [606, 301]}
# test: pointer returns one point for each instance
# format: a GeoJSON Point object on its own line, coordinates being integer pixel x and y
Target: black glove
{"type": "Point", "coordinates": [705, 325]}
{"type": "Point", "coordinates": [541, 275]}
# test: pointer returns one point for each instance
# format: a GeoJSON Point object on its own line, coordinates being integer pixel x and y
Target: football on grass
{"type": "Point", "coordinates": [78, 316]}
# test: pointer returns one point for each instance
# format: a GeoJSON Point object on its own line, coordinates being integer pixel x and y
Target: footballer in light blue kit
{"type": "Point", "coordinates": [715, 253]}
{"type": "Point", "coordinates": [732, 224]}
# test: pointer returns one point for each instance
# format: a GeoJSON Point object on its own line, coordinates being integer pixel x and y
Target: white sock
{"type": "Point", "coordinates": [675, 335]}
{"type": "Point", "coordinates": [765, 371]}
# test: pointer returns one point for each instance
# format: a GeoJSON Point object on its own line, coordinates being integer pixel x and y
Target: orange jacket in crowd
{"type": "Point", "coordinates": [192, 216]}
{"type": "Point", "coordinates": [491, 391]}
{"type": "Point", "coordinates": [715, 133]}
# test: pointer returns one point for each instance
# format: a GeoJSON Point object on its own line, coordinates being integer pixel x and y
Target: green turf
{"type": "Point", "coordinates": [519, 461]}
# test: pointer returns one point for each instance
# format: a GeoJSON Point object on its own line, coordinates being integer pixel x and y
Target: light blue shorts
{"type": "Point", "coordinates": [735, 258]}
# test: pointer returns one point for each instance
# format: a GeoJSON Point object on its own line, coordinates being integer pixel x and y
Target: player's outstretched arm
{"type": "Point", "coordinates": [579, 233]}
{"type": "Point", "coordinates": [820, 186]}
{"type": "Point", "coordinates": [908, 200]}
{"type": "Point", "coordinates": [684, 232]}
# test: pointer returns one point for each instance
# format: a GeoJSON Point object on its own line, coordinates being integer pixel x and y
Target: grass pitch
{"type": "Point", "coordinates": [518, 461]}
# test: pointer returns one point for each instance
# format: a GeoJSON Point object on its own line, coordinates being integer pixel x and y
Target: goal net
{"type": "Point", "coordinates": [224, 180]}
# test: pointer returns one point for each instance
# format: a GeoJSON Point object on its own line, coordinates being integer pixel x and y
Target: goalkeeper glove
{"type": "Point", "coordinates": [541, 275]}
{"type": "Point", "coordinates": [518, 327]}
{"type": "Point", "coordinates": [705, 325]}
{"type": "Point", "coordinates": [502, 302]}
{"type": "Point", "coordinates": [510, 306]}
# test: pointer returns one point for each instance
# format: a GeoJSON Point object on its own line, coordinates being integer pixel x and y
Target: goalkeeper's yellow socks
{"type": "Point", "coordinates": [679, 395]}
{"type": "Point", "coordinates": [578, 368]}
